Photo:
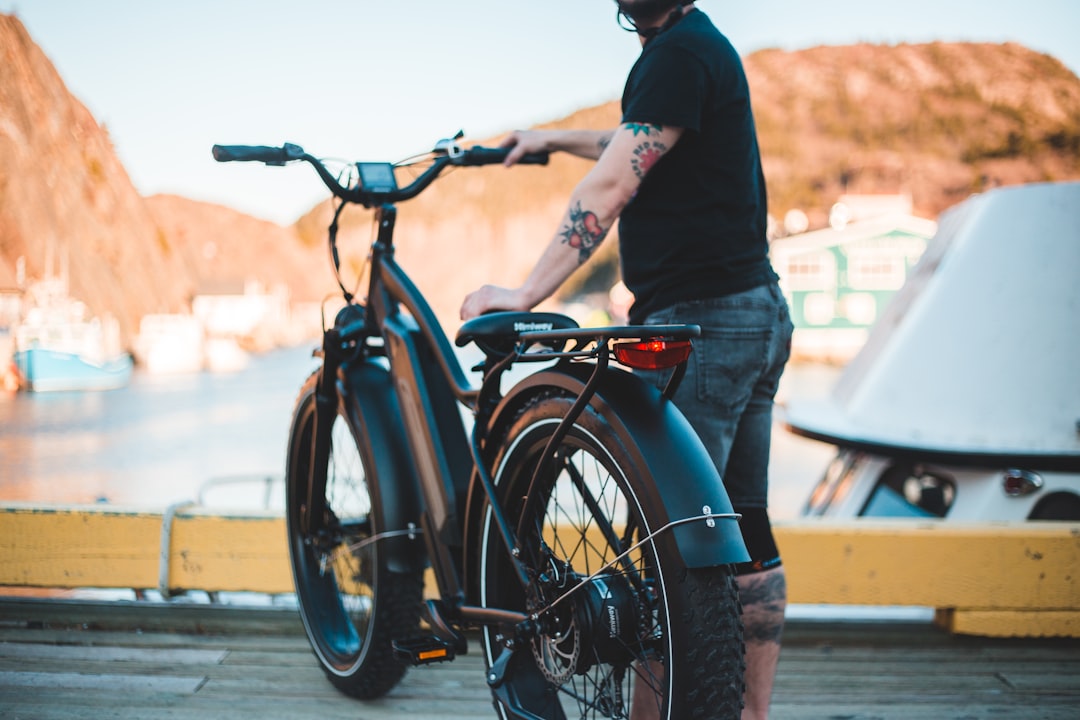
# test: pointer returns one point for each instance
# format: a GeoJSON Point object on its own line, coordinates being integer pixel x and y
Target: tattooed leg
{"type": "Point", "coordinates": [764, 599]}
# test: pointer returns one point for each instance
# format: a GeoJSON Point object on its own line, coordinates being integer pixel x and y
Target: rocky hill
{"type": "Point", "coordinates": [66, 201]}
{"type": "Point", "coordinates": [937, 121]}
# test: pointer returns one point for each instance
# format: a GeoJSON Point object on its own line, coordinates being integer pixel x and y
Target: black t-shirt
{"type": "Point", "coordinates": [696, 228]}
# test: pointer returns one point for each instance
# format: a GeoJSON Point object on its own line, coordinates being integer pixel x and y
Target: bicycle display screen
{"type": "Point", "coordinates": [377, 177]}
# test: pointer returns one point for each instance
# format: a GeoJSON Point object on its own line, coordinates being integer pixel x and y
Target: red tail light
{"type": "Point", "coordinates": [652, 354]}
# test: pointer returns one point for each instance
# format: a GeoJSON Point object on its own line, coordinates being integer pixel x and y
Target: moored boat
{"type": "Point", "coordinates": [170, 344]}
{"type": "Point", "coordinates": [57, 347]}
{"type": "Point", "coordinates": [45, 370]}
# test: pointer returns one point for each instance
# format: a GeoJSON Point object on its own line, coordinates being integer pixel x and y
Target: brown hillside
{"type": "Point", "coordinates": [65, 195]}
{"type": "Point", "coordinates": [221, 248]}
{"type": "Point", "coordinates": [936, 121]}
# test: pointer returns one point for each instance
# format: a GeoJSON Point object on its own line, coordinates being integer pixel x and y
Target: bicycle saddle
{"type": "Point", "coordinates": [497, 332]}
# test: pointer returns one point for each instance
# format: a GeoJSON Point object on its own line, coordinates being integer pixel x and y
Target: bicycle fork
{"type": "Point", "coordinates": [314, 512]}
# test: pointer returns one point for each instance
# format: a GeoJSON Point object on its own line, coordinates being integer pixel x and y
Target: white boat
{"type": "Point", "coordinates": [44, 370]}
{"type": "Point", "coordinates": [170, 344]}
{"type": "Point", "coordinates": [224, 355]}
{"type": "Point", "coordinates": [173, 344]}
{"type": "Point", "coordinates": [964, 402]}
{"type": "Point", "coordinates": [58, 347]}
{"type": "Point", "coordinates": [10, 311]}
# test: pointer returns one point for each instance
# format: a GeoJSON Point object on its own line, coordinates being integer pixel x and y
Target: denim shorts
{"type": "Point", "coordinates": [731, 380]}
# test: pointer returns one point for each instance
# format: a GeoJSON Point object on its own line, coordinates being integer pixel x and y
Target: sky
{"type": "Point", "coordinates": [380, 80]}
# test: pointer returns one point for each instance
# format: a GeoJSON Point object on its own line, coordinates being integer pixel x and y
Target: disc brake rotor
{"type": "Point", "coordinates": [598, 623]}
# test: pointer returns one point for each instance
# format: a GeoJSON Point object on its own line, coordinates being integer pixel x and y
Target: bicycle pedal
{"type": "Point", "coordinates": [423, 650]}
{"type": "Point", "coordinates": [434, 613]}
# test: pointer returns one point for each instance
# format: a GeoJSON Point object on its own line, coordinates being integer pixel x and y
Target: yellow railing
{"type": "Point", "coordinates": [996, 579]}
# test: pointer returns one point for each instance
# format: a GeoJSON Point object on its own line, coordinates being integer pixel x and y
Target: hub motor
{"type": "Point", "coordinates": [598, 623]}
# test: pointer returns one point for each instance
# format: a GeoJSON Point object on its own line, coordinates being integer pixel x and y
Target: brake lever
{"type": "Point", "coordinates": [450, 145]}
{"type": "Point", "coordinates": [291, 151]}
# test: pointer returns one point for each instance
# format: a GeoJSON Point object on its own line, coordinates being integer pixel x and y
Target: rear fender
{"type": "Point", "coordinates": [661, 441]}
{"type": "Point", "coordinates": [395, 495]}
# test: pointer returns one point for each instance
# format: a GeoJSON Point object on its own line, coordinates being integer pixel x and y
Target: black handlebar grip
{"type": "Point", "coordinates": [540, 158]}
{"type": "Point", "coordinates": [251, 153]}
{"type": "Point", "coordinates": [495, 156]}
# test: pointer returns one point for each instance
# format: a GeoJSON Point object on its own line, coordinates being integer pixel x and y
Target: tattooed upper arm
{"type": "Point", "coordinates": [644, 128]}
{"type": "Point", "coordinates": [645, 156]}
{"type": "Point", "coordinates": [650, 142]}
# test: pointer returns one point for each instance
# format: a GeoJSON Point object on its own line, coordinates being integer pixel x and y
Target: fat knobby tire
{"type": "Point", "coordinates": [371, 670]}
{"type": "Point", "coordinates": [700, 617]}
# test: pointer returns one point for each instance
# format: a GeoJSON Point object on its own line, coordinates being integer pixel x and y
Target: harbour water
{"type": "Point", "coordinates": [153, 442]}
{"type": "Point", "coordinates": [221, 438]}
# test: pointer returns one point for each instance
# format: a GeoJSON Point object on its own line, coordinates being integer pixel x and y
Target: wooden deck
{"type": "Point", "coordinates": [63, 659]}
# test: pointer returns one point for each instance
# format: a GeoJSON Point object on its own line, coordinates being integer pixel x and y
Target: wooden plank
{"type": "Point", "coordinates": [857, 670]}
{"type": "Point", "coordinates": [113, 682]}
{"type": "Point", "coordinates": [205, 620]}
{"type": "Point", "coordinates": [914, 711]}
{"type": "Point", "coordinates": [24, 652]}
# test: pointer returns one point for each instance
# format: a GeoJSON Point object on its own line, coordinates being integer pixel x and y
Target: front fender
{"type": "Point", "coordinates": [660, 439]}
{"type": "Point", "coordinates": [395, 494]}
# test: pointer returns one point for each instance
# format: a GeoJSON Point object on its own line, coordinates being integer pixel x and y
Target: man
{"type": "Point", "coordinates": [682, 174]}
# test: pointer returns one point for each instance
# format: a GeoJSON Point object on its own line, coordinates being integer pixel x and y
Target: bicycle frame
{"type": "Point", "coordinates": [429, 477]}
{"type": "Point", "coordinates": [446, 471]}
{"type": "Point", "coordinates": [391, 373]}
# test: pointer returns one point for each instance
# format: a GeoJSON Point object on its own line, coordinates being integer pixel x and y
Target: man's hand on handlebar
{"type": "Point", "coordinates": [523, 142]}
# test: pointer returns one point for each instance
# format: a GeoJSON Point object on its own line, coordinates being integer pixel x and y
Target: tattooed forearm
{"type": "Point", "coordinates": [645, 156]}
{"type": "Point", "coordinates": [603, 142]}
{"type": "Point", "coordinates": [582, 232]}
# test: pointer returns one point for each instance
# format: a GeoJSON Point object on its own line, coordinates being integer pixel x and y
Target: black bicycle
{"type": "Point", "coordinates": [579, 524]}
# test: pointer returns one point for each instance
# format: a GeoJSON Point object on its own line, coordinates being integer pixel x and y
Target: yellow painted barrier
{"type": "Point", "coordinates": [1018, 565]}
{"type": "Point", "coordinates": [984, 579]}
{"type": "Point", "coordinates": [104, 547]}
{"type": "Point", "coordinates": [999, 579]}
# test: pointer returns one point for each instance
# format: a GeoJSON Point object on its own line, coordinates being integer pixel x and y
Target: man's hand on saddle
{"type": "Point", "coordinates": [489, 298]}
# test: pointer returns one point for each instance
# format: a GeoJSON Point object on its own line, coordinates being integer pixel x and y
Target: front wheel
{"type": "Point", "coordinates": [645, 637]}
{"type": "Point", "coordinates": [352, 605]}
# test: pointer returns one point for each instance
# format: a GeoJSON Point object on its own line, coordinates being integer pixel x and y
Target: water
{"type": "Point", "coordinates": [171, 439]}
{"type": "Point", "coordinates": [154, 442]}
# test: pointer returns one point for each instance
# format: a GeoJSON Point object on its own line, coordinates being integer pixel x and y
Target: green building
{"type": "Point", "coordinates": [838, 280]}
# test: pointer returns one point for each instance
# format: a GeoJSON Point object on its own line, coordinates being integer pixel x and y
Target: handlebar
{"type": "Point", "coordinates": [258, 153]}
{"type": "Point", "coordinates": [446, 153]}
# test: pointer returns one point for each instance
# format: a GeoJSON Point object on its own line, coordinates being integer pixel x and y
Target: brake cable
{"type": "Point", "coordinates": [332, 237]}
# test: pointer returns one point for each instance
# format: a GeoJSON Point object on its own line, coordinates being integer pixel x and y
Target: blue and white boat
{"type": "Point", "coordinates": [58, 348]}
{"type": "Point", "coordinates": [44, 370]}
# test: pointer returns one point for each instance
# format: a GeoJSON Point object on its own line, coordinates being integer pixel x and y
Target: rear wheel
{"type": "Point", "coordinates": [351, 604]}
{"type": "Point", "coordinates": [645, 637]}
